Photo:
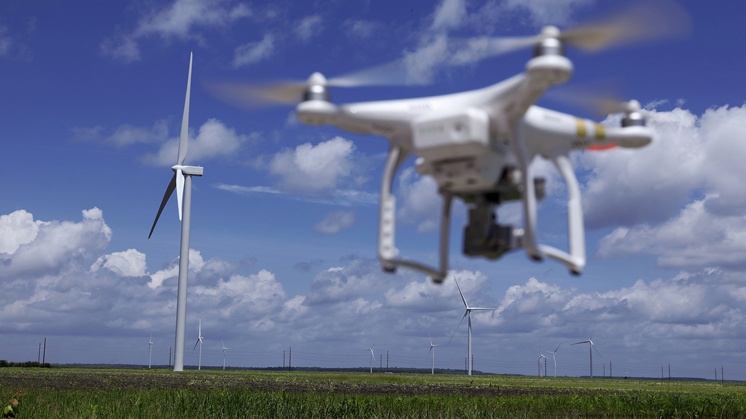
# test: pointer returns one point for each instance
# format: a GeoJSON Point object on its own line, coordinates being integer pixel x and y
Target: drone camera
{"type": "Point", "coordinates": [484, 237]}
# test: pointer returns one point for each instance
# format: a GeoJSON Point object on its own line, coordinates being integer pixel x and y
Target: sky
{"type": "Point", "coordinates": [284, 220]}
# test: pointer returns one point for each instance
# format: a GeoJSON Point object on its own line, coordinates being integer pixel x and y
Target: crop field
{"type": "Point", "coordinates": [143, 393]}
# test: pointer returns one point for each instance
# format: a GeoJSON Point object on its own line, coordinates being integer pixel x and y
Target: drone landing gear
{"type": "Point", "coordinates": [387, 251]}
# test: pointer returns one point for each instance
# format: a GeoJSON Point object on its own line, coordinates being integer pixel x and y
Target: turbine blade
{"type": "Point", "coordinates": [195, 345]}
{"type": "Point", "coordinates": [461, 293]}
{"type": "Point", "coordinates": [179, 189]}
{"type": "Point", "coordinates": [459, 325]}
{"type": "Point", "coordinates": [184, 138]}
{"type": "Point", "coordinates": [169, 190]}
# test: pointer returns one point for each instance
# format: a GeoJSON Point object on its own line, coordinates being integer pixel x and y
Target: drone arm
{"type": "Point", "coordinates": [387, 250]}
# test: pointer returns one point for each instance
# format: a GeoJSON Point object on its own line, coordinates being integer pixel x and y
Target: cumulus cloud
{"type": "Point", "coordinates": [182, 19]}
{"type": "Point", "coordinates": [335, 222]}
{"type": "Point", "coordinates": [449, 14]}
{"type": "Point", "coordinates": [213, 139]}
{"type": "Point", "coordinates": [16, 229]}
{"type": "Point", "coordinates": [47, 247]}
{"type": "Point", "coordinates": [418, 200]}
{"type": "Point", "coordinates": [131, 262]}
{"type": "Point", "coordinates": [679, 198]}
{"type": "Point", "coordinates": [313, 169]}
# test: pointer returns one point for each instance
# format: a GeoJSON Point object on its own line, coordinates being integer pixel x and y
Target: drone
{"type": "Point", "coordinates": [478, 145]}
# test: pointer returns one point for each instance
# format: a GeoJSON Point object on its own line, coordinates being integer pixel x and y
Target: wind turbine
{"type": "Point", "coordinates": [467, 314]}
{"type": "Point", "coordinates": [432, 349]}
{"type": "Point", "coordinates": [199, 341]}
{"type": "Point", "coordinates": [224, 349]}
{"type": "Point", "coordinates": [542, 360]}
{"type": "Point", "coordinates": [591, 348]}
{"type": "Point", "coordinates": [182, 182]}
{"type": "Point", "coordinates": [371, 359]}
{"type": "Point", "coordinates": [554, 357]}
{"type": "Point", "coordinates": [150, 351]}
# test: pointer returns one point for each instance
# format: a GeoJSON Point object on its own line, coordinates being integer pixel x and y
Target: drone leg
{"type": "Point", "coordinates": [576, 235]}
{"type": "Point", "coordinates": [529, 198]}
{"type": "Point", "coordinates": [445, 230]}
{"type": "Point", "coordinates": [387, 250]}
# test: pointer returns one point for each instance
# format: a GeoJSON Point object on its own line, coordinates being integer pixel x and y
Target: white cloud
{"type": "Point", "coordinates": [343, 197]}
{"type": "Point", "coordinates": [180, 19]}
{"type": "Point", "coordinates": [54, 244]}
{"type": "Point", "coordinates": [309, 27]}
{"type": "Point", "coordinates": [128, 263]}
{"type": "Point", "coordinates": [546, 12]}
{"type": "Point", "coordinates": [418, 200]}
{"type": "Point", "coordinates": [313, 169]}
{"type": "Point", "coordinates": [449, 14]}
{"type": "Point", "coordinates": [16, 229]}
{"type": "Point", "coordinates": [681, 197]}
{"type": "Point", "coordinates": [335, 222]}
{"type": "Point", "coordinates": [125, 135]}
{"type": "Point", "coordinates": [213, 140]}
{"type": "Point", "coordinates": [196, 263]}
{"type": "Point", "coordinates": [254, 52]}
{"type": "Point", "coordinates": [362, 29]}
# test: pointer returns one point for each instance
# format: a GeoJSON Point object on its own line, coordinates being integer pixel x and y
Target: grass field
{"type": "Point", "coordinates": [138, 393]}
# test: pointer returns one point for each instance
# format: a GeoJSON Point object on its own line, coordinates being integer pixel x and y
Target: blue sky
{"type": "Point", "coordinates": [285, 218]}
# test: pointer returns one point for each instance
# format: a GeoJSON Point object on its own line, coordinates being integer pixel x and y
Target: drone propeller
{"type": "Point", "coordinates": [642, 21]}
{"type": "Point", "coordinates": [292, 91]}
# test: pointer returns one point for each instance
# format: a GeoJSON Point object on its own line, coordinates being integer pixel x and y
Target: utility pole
{"type": "Point", "coordinates": [722, 377]}
{"type": "Point", "coordinates": [44, 354]}
{"type": "Point", "coordinates": [387, 361]}
{"type": "Point", "coordinates": [38, 356]}
{"type": "Point", "coordinates": [170, 348]}
{"type": "Point", "coordinates": [662, 372]}
{"type": "Point", "coordinates": [669, 372]}
{"type": "Point", "coordinates": [290, 359]}
{"type": "Point", "coordinates": [716, 374]}
{"type": "Point", "coordinates": [610, 374]}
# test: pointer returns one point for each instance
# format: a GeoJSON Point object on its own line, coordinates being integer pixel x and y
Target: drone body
{"type": "Point", "coordinates": [478, 146]}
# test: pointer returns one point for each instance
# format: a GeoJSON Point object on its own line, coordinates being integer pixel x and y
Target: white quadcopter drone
{"type": "Point", "coordinates": [478, 145]}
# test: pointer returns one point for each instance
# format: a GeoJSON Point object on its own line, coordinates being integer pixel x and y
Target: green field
{"type": "Point", "coordinates": [136, 393]}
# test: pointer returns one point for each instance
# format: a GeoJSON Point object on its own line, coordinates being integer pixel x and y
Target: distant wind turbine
{"type": "Point", "coordinates": [371, 359]}
{"type": "Point", "coordinates": [182, 182]}
{"type": "Point", "coordinates": [591, 348]}
{"type": "Point", "coordinates": [432, 349]}
{"type": "Point", "coordinates": [467, 314]}
{"type": "Point", "coordinates": [542, 361]}
{"type": "Point", "coordinates": [199, 341]}
{"type": "Point", "coordinates": [224, 349]}
{"type": "Point", "coordinates": [554, 357]}
{"type": "Point", "coordinates": [150, 351]}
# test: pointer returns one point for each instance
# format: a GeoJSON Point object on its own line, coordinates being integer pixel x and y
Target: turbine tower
{"type": "Point", "coordinates": [224, 349]}
{"type": "Point", "coordinates": [371, 359]}
{"type": "Point", "coordinates": [182, 182]}
{"type": "Point", "coordinates": [554, 357]}
{"type": "Point", "coordinates": [150, 351]}
{"type": "Point", "coordinates": [432, 349]}
{"type": "Point", "coordinates": [591, 348]}
{"type": "Point", "coordinates": [467, 314]}
{"type": "Point", "coordinates": [199, 341]}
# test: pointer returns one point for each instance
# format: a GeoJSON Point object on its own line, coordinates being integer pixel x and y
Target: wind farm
{"type": "Point", "coordinates": [434, 156]}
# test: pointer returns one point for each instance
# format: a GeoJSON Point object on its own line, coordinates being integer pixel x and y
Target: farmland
{"type": "Point", "coordinates": [91, 392]}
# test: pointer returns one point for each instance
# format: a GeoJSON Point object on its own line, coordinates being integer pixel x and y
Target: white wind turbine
{"type": "Point", "coordinates": [372, 357]}
{"type": "Point", "coordinates": [554, 357]}
{"type": "Point", "coordinates": [542, 361]}
{"type": "Point", "coordinates": [224, 349]}
{"type": "Point", "coordinates": [150, 351]}
{"type": "Point", "coordinates": [182, 182]}
{"type": "Point", "coordinates": [199, 341]}
{"type": "Point", "coordinates": [591, 348]}
{"type": "Point", "coordinates": [432, 349]}
{"type": "Point", "coordinates": [467, 314]}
